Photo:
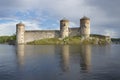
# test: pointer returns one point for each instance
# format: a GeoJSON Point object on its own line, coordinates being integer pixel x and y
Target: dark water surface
{"type": "Point", "coordinates": [66, 62]}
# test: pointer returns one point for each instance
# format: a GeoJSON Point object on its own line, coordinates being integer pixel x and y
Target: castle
{"type": "Point", "coordinates": [24, 36]}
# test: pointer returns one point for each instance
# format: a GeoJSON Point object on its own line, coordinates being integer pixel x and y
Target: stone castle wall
{"type": "Point", "coordinates": [31, 35]}
{"type": "Point", "coordinates": [85, 27]}
{"type": "Point", "coordinates": [41, 34]}
{"type": "Point", "coordinates": [64, 28]}
{"type": "Point", "coordinates": [74, 31]}
{"type": "Point", "coordinates": [20, 33]}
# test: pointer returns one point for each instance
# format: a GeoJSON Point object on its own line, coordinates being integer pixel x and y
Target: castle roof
{"type": "Point", "coordinates": [20, 24]}
{"type": "Point", "coordinates": [64, 20]}
{"type": "Point", "coordinates": [85, 18]}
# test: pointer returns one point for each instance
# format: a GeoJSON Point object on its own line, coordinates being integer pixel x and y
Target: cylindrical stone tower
{"type": "Point", "coordinates": [64, 28]}
{"type": "Point", "coordinates": [20, 29]}
{"type": "Point", "coordinates": [85, 27]}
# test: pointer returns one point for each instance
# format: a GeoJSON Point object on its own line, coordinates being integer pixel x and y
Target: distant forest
{"type": "Point", "coordinates": [7, 39]}
{"type": "Point", "coordinates": [116, 40]}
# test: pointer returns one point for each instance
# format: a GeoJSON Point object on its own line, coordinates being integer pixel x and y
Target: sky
{"type": "Point", "coordinates": [46, 14]}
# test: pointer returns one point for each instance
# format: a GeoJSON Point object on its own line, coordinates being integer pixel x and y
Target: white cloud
{"type": "Point", "coordinates": [111, 33]}
{"type": "Point", "coordinates": [10, 27]}
{"type": "Point", "coordinates": [7, 28]}
{"type": "Point", "coordinates": [72, 24]}
{"type": "Point", "coordinates": [101, 14]}
{"type": "Point", "coordinates": [32, 25]}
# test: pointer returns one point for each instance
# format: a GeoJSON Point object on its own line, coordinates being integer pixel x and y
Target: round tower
{"type": "Point", "coordinates": [85, 27]}
{"type": "Point", "coordinates": [64, 28]}
{"type": "Point", "coordinates": [20, 29]}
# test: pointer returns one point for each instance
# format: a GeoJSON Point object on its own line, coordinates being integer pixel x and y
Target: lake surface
{"type": "Point", "coordinates": [60, 62]}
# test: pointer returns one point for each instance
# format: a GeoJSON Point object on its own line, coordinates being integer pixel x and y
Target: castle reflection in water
{"type": "Point", "coordinates": [64, 55]}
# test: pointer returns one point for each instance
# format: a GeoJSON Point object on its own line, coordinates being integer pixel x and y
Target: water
{"type": "Point", "coordinates": [65, 62]}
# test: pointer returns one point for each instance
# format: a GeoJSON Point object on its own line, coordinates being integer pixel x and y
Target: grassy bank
{"type": "Point", "coordinates": [94, 39]}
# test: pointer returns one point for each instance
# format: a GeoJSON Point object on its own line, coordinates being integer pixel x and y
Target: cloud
{"type": "Point", "coordinates": [10, 27]}
{"type": "Point", "coordinates": [111, 33]}
{"type": "Point", "coordinates": [7, 29]}
{"type": "Point", "coordinates": [32, 26]}
{"type": "Point", "coordinates": [104, 14]}
{"type": "Point", "coordinates": [72, 24]}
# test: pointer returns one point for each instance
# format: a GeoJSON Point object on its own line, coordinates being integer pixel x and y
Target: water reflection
{"type": "Point", "coordinates": [80, 54]}
{"type": "Point", "coordinates": [65, 58]}
{"type": "Point", "coordinates": [60, 62]}
{"type": "Point", "coordinates": [20, 52]}
{"type": "Point", "coordinates": [85, 57]}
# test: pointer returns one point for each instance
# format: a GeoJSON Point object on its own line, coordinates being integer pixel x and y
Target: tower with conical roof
{"type": "Point", "coordinates": [85, 27]}
{"type": "Point", "coordinates": [20, 30]}
{"type": "Point", "coordinates": [64, 28]}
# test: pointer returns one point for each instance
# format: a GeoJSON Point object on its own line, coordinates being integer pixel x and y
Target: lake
{"type": "Point", "coordinates": [60, 62]}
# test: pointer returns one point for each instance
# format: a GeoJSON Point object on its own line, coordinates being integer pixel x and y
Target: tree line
{"type": "Point", "coordinates": [7, 39]}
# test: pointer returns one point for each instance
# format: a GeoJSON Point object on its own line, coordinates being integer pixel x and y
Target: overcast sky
{"type": "Point", "coordinates": [45, 14]}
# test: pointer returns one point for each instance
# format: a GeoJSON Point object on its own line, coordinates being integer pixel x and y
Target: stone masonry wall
{"type": "Point", "coordinates": [41, 34]}
{"type": "Point", "coordinates": [32, 35]}
{"type": "Point", "coordinates": [74, 32]}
